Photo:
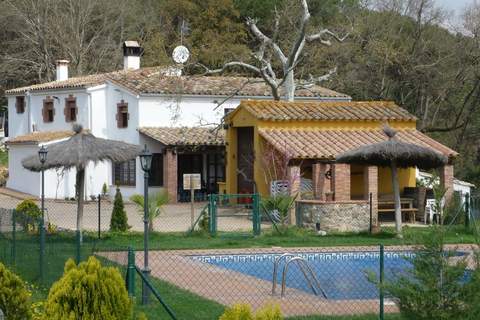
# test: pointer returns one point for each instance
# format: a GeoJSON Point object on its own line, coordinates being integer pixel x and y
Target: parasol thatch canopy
{"type": "Point", "coordinates": [80, 149]}
{"type": "Point", "coordinates": [393, 154]}
{"type": "Point", "coordinates": [404, 154]}
{"type": "Point", "coordinates": [77, 152]}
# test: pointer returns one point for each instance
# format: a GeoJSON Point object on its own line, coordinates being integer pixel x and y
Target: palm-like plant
{"type": "Point", "coordinates": [156, 201]}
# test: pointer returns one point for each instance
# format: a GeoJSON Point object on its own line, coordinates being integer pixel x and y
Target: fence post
{"type": "Point", "coordinates": [131, 272]}
{"type": "Point", "coordinates": [256, 215]}
{"type": "Point", "coordinates": [14, 237]}
{"type": "Point", "coordinates": [371, 212]}
{"type": "Point", "coordinates": [77, 247]}
{"type": "Point", "coordinates": [381, 282]}
{"type": "Point", "coordinates": [467, 210]}
{"type": "Point", "coordinates": [99, 214]}
{"type": "Point", "coordinates": [212, 212]}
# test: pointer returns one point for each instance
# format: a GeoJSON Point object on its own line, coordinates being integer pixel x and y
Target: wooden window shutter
{"type": "Point", "coordinates": [47, 106]}
{"type": "Point", "coordinates": [20, 104]}
{"type": "Point", "coordinates": [122, 112]}
{"type": "Point", "coordinates": [70, 103]}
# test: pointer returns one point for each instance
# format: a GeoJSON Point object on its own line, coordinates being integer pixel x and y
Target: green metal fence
{"type": "Point", "coordinates": [234, 211]}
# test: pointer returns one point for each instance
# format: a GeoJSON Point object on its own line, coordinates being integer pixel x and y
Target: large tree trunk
{"type": "Point", "coordinates": [396, 198]}
{"type": "Point", "coordinates": [289, 86]}
{"type": "Point", "coordinates": [80, 197]}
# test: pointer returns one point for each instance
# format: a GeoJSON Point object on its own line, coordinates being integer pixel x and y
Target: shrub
{"type": "Point", "coordinates": [14, 296]}
{"type": "Point", "coordinates": [243, 311]}
{"type": "Point", "coordinates": [278, 207]}
{"type": "Point", "coordinates": [104, 189]}
{"type": "Point", "coordinates": [28, 214]}
{"type": "Point", "coordinates": [3, 176]}
{"type": "Point", "coordinates": [156, 201]}
{"type": "Point", "coordinates": [88, 291]}
{"type": "Point", "coordinates": [119, 221]}
{"type": "Point", "coordinates": [240, 311]}
{"type": "Point", "coordinates": [437, 287]}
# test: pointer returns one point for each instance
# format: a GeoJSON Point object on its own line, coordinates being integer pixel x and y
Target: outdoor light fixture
{"type": "Point", "coordinates": [42, 154]}
{"type": "Point", "coordinates": [146, 159]}
{"type": "Point", "coordinates": [146, 162]}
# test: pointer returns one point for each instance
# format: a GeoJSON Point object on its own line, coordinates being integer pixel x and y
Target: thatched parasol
{"type": "Point", "coordinates": [394, 153]}
{"type": "Point", "coordinates": [76, 152]}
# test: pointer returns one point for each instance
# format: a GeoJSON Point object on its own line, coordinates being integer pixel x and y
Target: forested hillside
{"type": "Point", "coordinates": [396, 50]}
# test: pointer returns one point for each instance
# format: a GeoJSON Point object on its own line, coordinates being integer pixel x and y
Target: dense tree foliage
{"type": "Point", "coordinates": [404, 51]}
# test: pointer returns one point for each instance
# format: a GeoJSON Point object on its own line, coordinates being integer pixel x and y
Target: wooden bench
{"type": "Point", "coordinates": [406, 204]}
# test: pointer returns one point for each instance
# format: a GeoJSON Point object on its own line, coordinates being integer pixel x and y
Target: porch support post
{"type": "Point", "coordinates": [170, 174]}
{"type": "Point", "coordinates": [294, 176]}
{"type": "Point", "coordinates": [318, 180]}
{"type": "Point", "coordinates": [446, 181]}
{"type": "Point", "coordinates": [341, 181]}
{"type": "Point", "coordinates": [371, 187]}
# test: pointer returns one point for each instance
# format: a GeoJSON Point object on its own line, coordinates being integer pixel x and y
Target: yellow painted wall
{"type": "Point", "coordinates": [357, 184]}
{"type": "Point", "coordinates": [406, 178]}
{"type": "Point", "coordinates": [242, 118]}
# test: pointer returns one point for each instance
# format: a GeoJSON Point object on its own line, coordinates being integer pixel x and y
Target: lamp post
{"type": "Point", "coordinates": [146, 162]}
{"type": "Point", "coordinates": [42, 155]}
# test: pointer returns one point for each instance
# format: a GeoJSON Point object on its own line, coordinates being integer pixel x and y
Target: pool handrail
{"type": "Point", "coordinates": [275, 269]}
{"type": "Point", "coordinates": [305, 268]}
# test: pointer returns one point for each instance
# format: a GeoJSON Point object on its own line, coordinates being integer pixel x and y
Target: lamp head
{"type": "Point", "coordinates": [146, 159]}
{"type": "Point", "coordinates": [42, 154]}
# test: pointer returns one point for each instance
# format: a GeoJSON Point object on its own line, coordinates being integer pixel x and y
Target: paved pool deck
{"type": "Point", "coordinates": [228, 287]}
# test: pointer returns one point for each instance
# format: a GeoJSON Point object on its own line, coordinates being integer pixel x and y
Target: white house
{"type": "Point", "coordinates": [170, 113]}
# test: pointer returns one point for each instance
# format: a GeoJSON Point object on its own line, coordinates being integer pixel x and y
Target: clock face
{"type": "Point", "coordinates": [180, 54]}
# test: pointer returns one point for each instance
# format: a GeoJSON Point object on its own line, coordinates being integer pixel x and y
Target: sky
{"type": "Point", "coordinates": [457, 6]}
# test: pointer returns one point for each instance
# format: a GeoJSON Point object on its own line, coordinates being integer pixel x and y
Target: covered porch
{"type": "Point", "coordinates": [343, 197]}
{"type": "Point", "coordinates": [183, 150]}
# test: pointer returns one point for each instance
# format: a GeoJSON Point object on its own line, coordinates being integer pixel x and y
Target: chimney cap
{"type": "Point", "coordinates": [132, 48]}
{"type": "Point", "coordinates": [131, 44]}
{"type": "Point", "coordinates": [62, 62]}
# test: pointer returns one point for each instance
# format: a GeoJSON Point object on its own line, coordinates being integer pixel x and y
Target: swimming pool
{"type": "Point", "coordinates": [342, 275]}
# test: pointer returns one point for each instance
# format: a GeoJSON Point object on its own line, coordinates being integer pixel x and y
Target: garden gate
{"type": "Point", "coordinates": [234, 213]}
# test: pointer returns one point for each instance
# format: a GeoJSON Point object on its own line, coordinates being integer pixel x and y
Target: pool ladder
{"type": "Point", "coordinates": [304, 268]}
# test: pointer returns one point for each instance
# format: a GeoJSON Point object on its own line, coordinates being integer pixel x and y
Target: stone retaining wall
{"type": "Point", "coordinates": [346, 216]}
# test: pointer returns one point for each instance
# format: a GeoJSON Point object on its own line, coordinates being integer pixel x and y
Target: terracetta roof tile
{"type": "Point", "coordinates": [271, 110]}
{"type": "Point", "coordinates": [156, 80]}
{"type": "Point", "coordinates": [185, 136]}
{"type": "Point", "coordinates": [37, 137]}
{"type": "Point", "coordinates": [327, 144]}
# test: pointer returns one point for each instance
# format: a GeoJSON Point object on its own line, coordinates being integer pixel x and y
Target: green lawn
{"type": "Point", "coordinates": [3, 159]}
{"type": "Point", "coordinates": [294, 238]}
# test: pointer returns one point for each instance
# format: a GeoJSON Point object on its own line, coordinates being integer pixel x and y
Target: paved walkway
{"type": "Point", "coordinates": [174, 218]}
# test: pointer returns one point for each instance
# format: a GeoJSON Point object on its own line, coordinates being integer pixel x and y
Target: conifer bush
{"type": "Point", "coordinates": [242, 311]}
{"type": "Point", "coordinates": [88, 291]}
{"type": "Point", "coordinates": [440, 285]}
{"type": "Point", "coordinates": [14, 296]}
{"type": "Point", "coordinates": [119, 220]}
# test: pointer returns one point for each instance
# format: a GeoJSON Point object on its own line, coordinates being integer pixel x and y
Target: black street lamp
{"type": "Point", "coordinates": [146, 163]}
{"type": "Point", "coordinates": [42, 155]}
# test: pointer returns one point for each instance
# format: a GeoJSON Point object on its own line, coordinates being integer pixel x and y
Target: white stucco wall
{"type": "Point", "coordinates": [20, 178]}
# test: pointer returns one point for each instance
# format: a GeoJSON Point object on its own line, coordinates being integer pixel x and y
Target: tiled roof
{"type": "Point", "coordinates": [76, 82]}
{"type": "Point", "coordinates": [271, 110]}
{"type": "Point", "coordinates": [327, 144]}
{"type": "Point", "coordinates": [156, 80]}
{"type": "Point", "coordinates": [43, 136]}
{"type": "Point", "coordinates": [185, 136]}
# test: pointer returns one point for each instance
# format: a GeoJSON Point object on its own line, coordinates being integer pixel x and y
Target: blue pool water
{"type": "Point", "coordinates": [342, 275]}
